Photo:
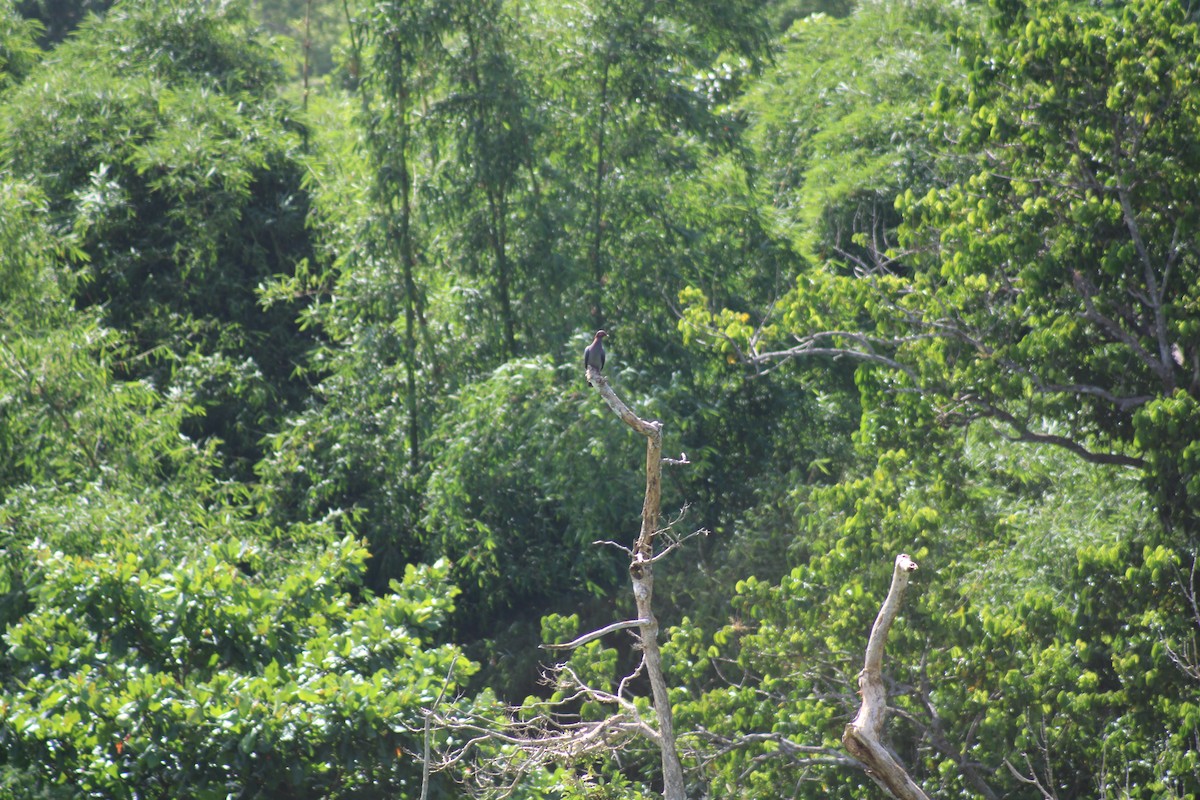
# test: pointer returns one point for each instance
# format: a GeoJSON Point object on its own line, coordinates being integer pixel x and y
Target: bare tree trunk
{"type": "Point", "coordinates": [641, 572]}
{"type": "Point", "coordinates": [863, 737]}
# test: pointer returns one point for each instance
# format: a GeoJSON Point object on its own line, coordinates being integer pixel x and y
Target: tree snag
{"type": "Point", "coordinates": [641, 572]}
{"type": "Point", "coordinates": [863, 737]}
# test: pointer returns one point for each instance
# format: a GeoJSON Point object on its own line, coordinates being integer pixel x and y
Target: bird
{"type": "Point", "coordinates": [593, 354]}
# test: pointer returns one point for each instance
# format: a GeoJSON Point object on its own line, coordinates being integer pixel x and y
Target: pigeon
{"type": "Point", "coordinates": [593, 354]}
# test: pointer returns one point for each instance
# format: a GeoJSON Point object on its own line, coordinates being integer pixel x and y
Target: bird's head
{"type": "Point", "coordinates": [601, 334]}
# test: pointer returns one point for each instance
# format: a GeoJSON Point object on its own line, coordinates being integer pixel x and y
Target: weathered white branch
{"type": "Point", "coordinates": [588, 637]}
{"type": "Point", "coordinates": [863, 737]}
{"type": "Point", "coordinates": [642, 426]}
{"type": "Point", "coordinates": [810, 346]}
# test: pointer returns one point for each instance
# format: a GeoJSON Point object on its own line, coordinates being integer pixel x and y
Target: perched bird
{"type": "Point", "coordinates": [593, 354]}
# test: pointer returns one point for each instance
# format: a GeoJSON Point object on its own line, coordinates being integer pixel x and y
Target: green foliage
{"type": "Point", "coordinates": [177, 42]}
{"type": "Point", "coordinates": [18, 52]}
{"type": "Point", "coordinates": [71, 421]}
{"type": "Point", "coordinates": [1059, 259]}
{"type": "Point", "coordinates": [1167, 429]}
{"type": "Point", "coordinates": [31, 289]}
{"type": "Point", "coordinates": [988, 656]}
{"type": "Point", "coordinates": [159, 637]}
{"type": "Point", "coordinates": [783, 13]}
{"type": "Point", "coordinates": [527, 471]}
{"type": "Point", "coordinates": [58, 18]}
{"type": "Point", "coordinates": [487, 115]}
{"type": "Point", "coordinates": [65, 420]}
{"type": "Point", "coordinates": [1045, 288]}
{"type": "Point", "coordinates": [839, 123]}
{"type": "Point", "coordinates": [638, 100]}
{"type": "Point", "coordinates": [968, 227]}
{"type": "Point", "coordinates": [195, 676]}
{"type": "Point", "coordinates": [472, 252]}
{"type": "Point", "coordinates": [314, 29]}
{"type": "Point", "coordinates": [155, 142]}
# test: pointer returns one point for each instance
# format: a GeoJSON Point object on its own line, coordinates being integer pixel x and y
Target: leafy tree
{"type": "Point", "coordinates": [488, 110]}
{"type": "Point", "coordinates": [521, 487]}
{"type": "Point", "coordinates": [836, 141]}
{"type": "Point", "coordinates": [1044, 291]}
{"type": "Point", "coordinates": [632, 113]}
{"type": "Point", "coordinates": [1093, 255]}
{"type": "Point", "coordinates": [18, 52]}
{"type": "Point", "coordinates": [59, 18]}
{"type": "Point", "coordinates": [414, 320]}
{"type": "Point", "coordinates": [155, 140]}
{"type": "Point", "coordinates": [139, 673]}
{"type": "Point", "coordinates": [986, 665]}
{"type": "Point", "coordinates": [405, 45]}
{"type": "Point", "coordinates": [160, 638]}
{"type": "Point", "coordinates": [1049, 288]}
{"type": "Point", "coordinates": [832, 143]}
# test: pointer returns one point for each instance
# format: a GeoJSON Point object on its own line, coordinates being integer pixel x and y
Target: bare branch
{"type": "Point", "coordinates": [588, 637]}
{"type": "Point", "coordinates": [618, 545]}
{"type": "Point", "coordinates": [641, 573]}
{"type": "Point", "coordinates": [425, 761]}
{"type": "Point", "coordinates": [804, 755]}
{"type": "Point", "coordinates": [1030, 779]}
{"type": "Point", "coordinates": [816, 344]}
{"type": "Point", "coordinates": [862, 737]}
{"type": "Point", "coordinates": [624, 684]}
{"type": "Point", "coordinates": [644, 427]}
{"type": "Point", "coordinates": [674, 542]}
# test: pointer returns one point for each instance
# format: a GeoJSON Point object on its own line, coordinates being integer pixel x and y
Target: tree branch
{"type": "Point", "coordinates": [588, 637]}
{"type": "Point", "coordinates": [862, 737]}
{"type": "Point", "coordinates": [641, 572]}
{"type": "Point", "coordinates": [803, 755]}
{"type": "Point", "coordinates": [1022, 433]}
{"type": "Point", "coordinates": [1157, 291]}
{"type": "Point", "coordinates": [955, 751]}
{"type": "Point", "coordinates": [814, 345]}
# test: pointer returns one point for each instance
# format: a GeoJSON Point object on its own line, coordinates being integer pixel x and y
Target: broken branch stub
{"type": "Point", "coordinates": [863, 738]}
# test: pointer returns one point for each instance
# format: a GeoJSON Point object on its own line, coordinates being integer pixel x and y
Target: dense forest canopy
{"type": "Point", "coordinates": [297, 457]}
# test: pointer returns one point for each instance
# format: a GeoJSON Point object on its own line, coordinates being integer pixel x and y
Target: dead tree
{"type": "Point", "coordinates": [641, 572]}
{"type": "Point", "coordinates": [498, 753]}
{"type": "Point", "coordinates": [529, 741]}
{"type": "Point", "coordinates": [863, 738]}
